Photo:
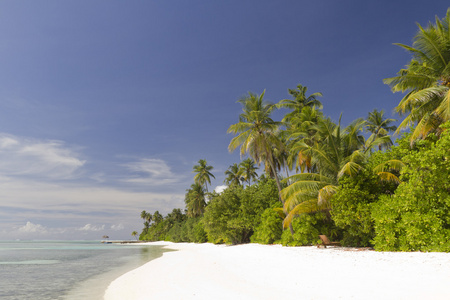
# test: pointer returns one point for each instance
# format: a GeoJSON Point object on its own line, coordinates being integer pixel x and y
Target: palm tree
{"type": "Point", "coordinates": [134, 233]}
{"type": "Point", "coordinates": [146, 226]}
{"type": "Point", "coordinates": [339, 152]}
{"type": "Point", "coordinates": [195, 200]}
{"type": "Point", "coordinates": [257, 133]}
{"type": "Point", "coordinates": [379, 127]}
{"type": "Point", "coordinates": [157, 217]}
{"type": "Point", "coordinates": [247, 170]}
{"type": "Point", "coordinates": [299, 102]}
{"type": "Point", "coordinates": [203, 176]}
{"type": "Point", "coordinates": [147, 217]}
{"type": "Point", "coordinates": [303, 131]}
{"type": "Point", "coordinates": [233, 175]}
{"type": "Point", "coordinates": [426, 80]}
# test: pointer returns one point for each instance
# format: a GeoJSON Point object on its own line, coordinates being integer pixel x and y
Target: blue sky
{"type": "Point", "coordinates": [105, 106]}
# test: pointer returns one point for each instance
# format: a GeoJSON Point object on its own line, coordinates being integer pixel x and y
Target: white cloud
{"type": "Point", "coordinates": [7, 142]}
{"type": "Point", "coordinates": [32, 228]}
{"type": "Point", "coordinates": [220, 188]}
{"type": "Point", "coordinates": [117, 227]}
{"type": "Point", "coordinates": [30, 157]}
{"type": "Point", "coordinates": [76, 210]}
{"type": "Point", "coordinates": [152, 172]}
{"type": "Point", "coordinates": [70, 208]}
{"type": "Point", "coordinates": [90, 227]}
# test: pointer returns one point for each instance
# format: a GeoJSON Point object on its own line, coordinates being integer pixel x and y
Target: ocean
{"type": "Point", "coordinates": [66, 270]}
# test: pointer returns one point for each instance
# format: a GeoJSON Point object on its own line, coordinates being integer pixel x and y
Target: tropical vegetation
{"type": "Point", "coordinates": [307, 175]}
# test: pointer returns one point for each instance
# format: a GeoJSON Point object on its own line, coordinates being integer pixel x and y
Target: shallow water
{"type": "Point", "coordinates": [68, 270]}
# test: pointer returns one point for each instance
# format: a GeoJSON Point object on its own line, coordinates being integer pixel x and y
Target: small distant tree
{"type": "Point", "coordinates": [157, 217]}
{"type": "Point", "coordinates": [248, 169]}
{"type": "Point", "coordinates": [234, 175]}
{"type": "Point", "coordinates": [195, 200]}
{"type": "Point", "coordinates": [203, 176]}
{"type": "Point", "coordinates": [134, 233]}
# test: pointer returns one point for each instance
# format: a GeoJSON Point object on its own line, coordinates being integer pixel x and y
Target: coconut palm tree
{"type": "Point", "coordinates": [257, 133]}
{"type": "Point", "coordinates": [143, 214]}
{"type": "Point", "coordinates": [134, 233]}
{"type": "Point", "coordinates": [303, 131]}
{"type": "Point", "coordinates": [147, 217]}
{"type": "Point", "coordinates": [299, 102]}
{"type": "Point", "coordinates": [340, 152]}
{"type": "Point", "coordinates": [203, 176]}
{"type": "Point", "coordinates": [157, 217]}
{"type": "Point", "coordinates": [426, 80]}
{"type": "Point", "coordinates": [234, 175]}
{"type": "Point", "coordinates": [247, 170]}
{"type": "Point", "coordinates": [195, 200]}
{"type": "Point", "coordinates": [380, 127]}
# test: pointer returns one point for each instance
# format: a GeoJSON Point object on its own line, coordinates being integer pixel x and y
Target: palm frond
{"type": "Point", "coordinates": [390, 165]}
{"type": "Point", "coordinates": [388, 177]}
{"type": "Point", "coordinates": [350, 169]}
{"type": "Point", "coordinates": [307, 206]}
{"type": "Point", "coordinates": [325, 195]}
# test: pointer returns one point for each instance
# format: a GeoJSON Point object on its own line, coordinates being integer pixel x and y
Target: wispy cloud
{"type": "Point", "coordinates": [64, 210]}
{"type": "Point", "coordinates": [44, 158]}
{"type": "Point", "coordinates": [151, 172]}
{"type": "Point", "coordinates": [76, 207]}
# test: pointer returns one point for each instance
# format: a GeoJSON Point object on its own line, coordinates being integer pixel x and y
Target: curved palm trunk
{"type": "Point", "coordinates": [277, 180]}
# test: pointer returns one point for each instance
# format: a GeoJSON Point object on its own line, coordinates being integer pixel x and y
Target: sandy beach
{"type": "Point", "coordinates": [252, 271]}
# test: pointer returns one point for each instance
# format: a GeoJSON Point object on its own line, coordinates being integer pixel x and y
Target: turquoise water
{"type": "Point", "coordinates": [66, 269]}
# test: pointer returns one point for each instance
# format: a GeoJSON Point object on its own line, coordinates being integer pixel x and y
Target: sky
{"type": "Point", "coordinates": [105, 106]}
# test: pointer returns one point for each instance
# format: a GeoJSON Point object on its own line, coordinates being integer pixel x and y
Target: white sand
{"type": "Point", "coordinates": [206, 271]}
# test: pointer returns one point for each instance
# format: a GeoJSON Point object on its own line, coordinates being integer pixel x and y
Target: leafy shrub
{"type": "Point", "coordinates": [351, 205]}
{"type": "Point", "coordinates": [233, 215]}
{"type": "Point", "coordinates": [351, 213]}
{"type": "Point", "coordinates": [417, 216]}
{"type": "Point", "coordinates": [270, 228]}
{"type": "Point", "coordinates": [307, 228]}
{"type": "Point", "coordinates": [191, 230]}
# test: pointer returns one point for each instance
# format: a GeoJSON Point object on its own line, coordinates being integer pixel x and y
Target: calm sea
{"type": "Point", "coordinates": [66, 270]}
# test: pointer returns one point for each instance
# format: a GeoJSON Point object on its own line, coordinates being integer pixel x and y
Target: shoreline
{"type": "Point", "coordinates": [253, 271]}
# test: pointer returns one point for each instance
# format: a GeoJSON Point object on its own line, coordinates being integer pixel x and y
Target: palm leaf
{"type": "Point", "coordinates": [325, 194]}
{"type": "Point", "coordinates": [304, 207]}
{"type": "Point", "coordinates": [388, 177]}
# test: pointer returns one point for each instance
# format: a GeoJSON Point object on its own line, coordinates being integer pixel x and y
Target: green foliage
{"type": "Point", "coordinates": [351, 205]}
{"type": "Point", "coordinates": [233, 215]}
{"type": "Point", "coordinates": [203, 173]}
{"type": "Point", "coordinates": [270, 228]}
{"type": "Point", "coordinates": [307, 228]}
{"type": "Point", "coordinates": [426, 80]}
{"type": "Point", "coordinates": [191, 230]}
{"type": "Point", "coordinates": [161, 226]}
{"type": "Point", "coordinates": [195, 200]}
{"type": "Point", "coordinates": [221, 208]}
{"type": "Point", "coordinates": [417, 216]}
{"type": "Point", "coordinates": [351, 212]}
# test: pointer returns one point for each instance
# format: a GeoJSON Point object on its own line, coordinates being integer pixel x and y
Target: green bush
{"type": "Point", "coordinates": [307, 228]}
{"type": "Point", "coordinates": [351, 205]}
{"type": "Point", "coordinates": [233, 215]}
{"type": "Point", "coordinates": [270, 228]}
{"type": "Point", "coordinates": [351, 213]}
{"type": "Point", "coordinates": [190, 231]}
{"type": "Point", "coordinates": [417, 216]}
